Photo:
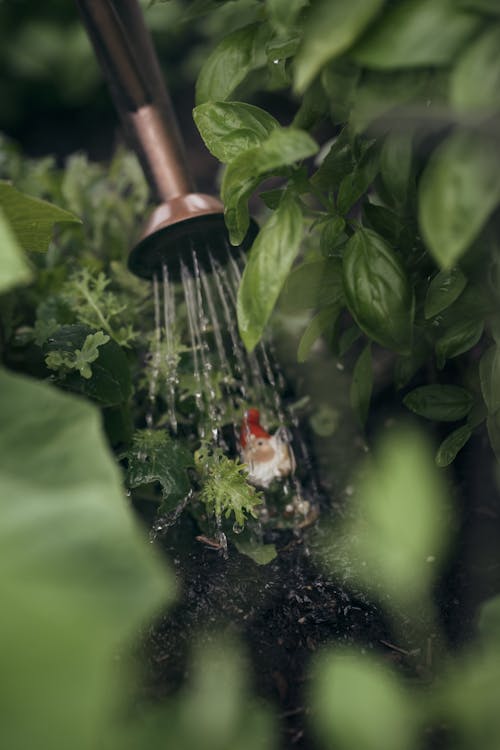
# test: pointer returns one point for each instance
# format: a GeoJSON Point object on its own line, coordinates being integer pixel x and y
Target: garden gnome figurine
{"type": "Point", "coordinates": [267, 456]}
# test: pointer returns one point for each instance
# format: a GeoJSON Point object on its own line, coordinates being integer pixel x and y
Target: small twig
{"type": "Point", "coordinates": [395, 648]}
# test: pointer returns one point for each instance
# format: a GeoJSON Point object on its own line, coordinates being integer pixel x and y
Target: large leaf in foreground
{"type": "Point", "coordinates": [269, 263]}
{"type": "Point", "coordinates": [459, 189]}
{"type": "Point", "coordinates": [76, 576]}
{"type": "Point", "coordinates": [13, 266]}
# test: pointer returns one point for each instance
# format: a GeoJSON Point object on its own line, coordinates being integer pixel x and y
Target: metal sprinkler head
{"type": "Point", "coordinates": [183, 220]}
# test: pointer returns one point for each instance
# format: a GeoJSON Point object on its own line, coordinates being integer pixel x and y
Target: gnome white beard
{"type": "Point", "coordinates": [267, 459]}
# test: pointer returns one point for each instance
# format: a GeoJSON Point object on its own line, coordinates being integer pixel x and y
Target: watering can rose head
{"type": "Point", "coordinates": [267, 456]}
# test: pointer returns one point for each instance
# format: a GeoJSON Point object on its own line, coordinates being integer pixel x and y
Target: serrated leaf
{"type": "Point", "coordinates": [31, 219]}
{"type": "Point", "coordinates": [228, 128]}
{"type": "Point", "coordinates": [322, 324]}
{"type": "Point", "coordinates": [396, 164]}
{"type": "Point", "coordinates": [283, 147]}
{"type": "Point", "coordinates": [231, 61]}
{"type": "Point", "coordinates": [459, 189]}
{"type": "Point", "coordinates": [451, 445]}
{"type": "Point", "coordinates": [458, 339]}
{"type": "Point", "coordinates": [444, 403]}
{"type": "Point", "coordinates": [475, 79]}
{"type": "Point", "coordinates": [444, 289]}
{"type": "Point", "coordinates": [313, 285]}
{"type": "Point", "coordinates": [269, 263]}
{"type": "Point", "coordinates": [489, 373]}
{"type": "Point", "coordinates": [405, 35]}
{"type": "Point", "coordinates": [377, 291]}
{"type": "Point", "coordinates": [14, 269]}
{"type": "Point", "coordinates": [362, 384]}
{"type": "Point", "coordinates": [330, 29]}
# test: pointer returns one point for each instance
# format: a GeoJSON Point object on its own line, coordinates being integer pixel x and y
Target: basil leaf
{"type": "Point", "coordinates": [355, 184]}
{"type": "Point", "coordinates": [451, 445]}
{"type": "Point", "coordinates": [377, 291]}
{"type": "Point", "coordinates": [493, 426]}
{"type": "Point", "coordinates": [283, 14]}
{"type": "Point", "coordinates": [14, 268]}
{"type": "Point", "coordinates": [348, 338]}
{"type": "Point", "coordinates": [283, 147]}
{"type": "Point", "coordinates": [315, 284]}
{"type": "Point", "coordinates": [332, 236]}
{"type": "Point", "coordinates": [444, 403]}
{"type": "Point", "coordinates": [31, 219]}
{"type": "Point", "coordinates": [458, 339]}
{"type": "Point", "coordinates": [337, 164]}
{"type": "Point", "coordinates": [330, 29]}
{"type": "Point", "coordinates": [396, 164]}
{"type": "Point", "coordinates": [459, 189]}
{"type": "Point", "coordinates": [408, 366]}
{"type": "Point", "coordinates": [475, 79]}
{"type": "Point", "coordinates": [231, 61]}
{"type": "Point", "coordinates": [444, 289]}
{"type": "Point", "coordinates": [228, 128]}
{"type": "Point", "coordinates": [269, 263]}
{"type": "Point", "coordinates": [323, 324]}
{"type": "Point", "coordinates": [489, 373]}
{"type": "Point", "coordinates": [405, 35]}
{"type": "Point", "coordinates": [340, 79]}
{"type": "Point", "coordinates": [383, 220]}
{"type": "Point", "coordinates": [362, 384]}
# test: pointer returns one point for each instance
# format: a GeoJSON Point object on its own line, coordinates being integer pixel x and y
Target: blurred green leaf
{"type": "Point", "coordinates": [445, 403]}
{"type": "Point", "coordinates": [475, 79]}
{"type": "Point", "coordinates": [359, 703]}
{"type": "Point", "coordinates": [77, 577]}
{"type": "Point", "coordinates": [283, 147]}
{"type": "Point", "coordinates": [313, 285]}
{"type": "Point", "coordinates": [377, 291]}
{"type": "Point", "coordinates": [340, 79]}
{"type": "Point", "coordinates": [451, 445]}
{"type": "Point", "coordinates": [405, 35]}
{"type": "Point", "coordinates": [481, 6]}
{"type": "Point", "coordinates": [458, 339]}
{"type": "Point", "coordinates": [489, 372]}
{"type": "Point", "coordinates": [269, 263]}
{"type": "Point", "coordinates": [330, 29]}
{"type": "Point", "coordinates": [323, 324]}
{"type": "Point", "coordinates": [31, 219]}
{"type": "Point", "coordinates": [444, 289]}
{"type": "Point", "coordinates": [283, 14]}
{"type": "Point", "coordinates": [362, 384]}
{"type": "Point", "coordinates": [459, 189]}
{"type": "Point", "coordinates": [396, 164]}
{"type": "Point", "coordinates": [228, 128]}
{"type": "Point", "coordinates": [14, 268]}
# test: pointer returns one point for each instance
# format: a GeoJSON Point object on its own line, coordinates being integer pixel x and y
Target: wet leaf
{"type": "Point", "coordinates": [231, 61]}
{"type": "Point", "coordinates": [313, 285]}
{"type": "Point", "coordinates": [31, 219]}
{"type": "Point", "coordinates": [358, 702]}
{"type": "Point", "coordinates": [283, 147]}
{"type": "Point", "coordinates": [362, 384]}
{"type": "Point", "coordinates": [405, 35]}
{"type": "Point", "coordinates": [269, 263]}
{"type": "Point", "coordinates": [475, 79]}
{"type": "Point", "coordinates": [323, 324]}
{"type": "Point", "coordinates": [451, 445]}
{"type": "Point", "coordinates": [443, 290]}
{"type": "Point", "coordinates": [444, 403]}
{"type": "Point", "coordinates": [77, 575]}
{"type": "Point", "coordinates": [458, 339]}
{"type": "Point", "coordinates": [228, 128]}
{"type": "Point", "coordinates": [459, 189]}
{"type": "Point", "coordinates": [377, 291]}
{"type": "Point", "coordinates": [14, 268]}
{"type": "Point", "coordinates": [396, 164]}
{"type": "Point", "coordinates": [489, 373]}
{"type": "Point", "coordinates": [330, 29]}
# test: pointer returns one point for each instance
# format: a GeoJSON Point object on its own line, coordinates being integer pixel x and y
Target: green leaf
{"type": "Point", "coordinates": [384, 221]}
{"type": "Point", "coordinates": [330, 29]}
{"type": "Point", "coordinates": [269, 263]}
{"type": "Point", "coordinates": [396, 165]}
{"type": "Point", "coordinates": [377, 291]}
{"type": "Point", "coordinates": [317, 284]}
{"type": "Point", "coordinates": [262, 554]}
{"type": "Point", "coordinates": [155, 457]}
{"type": "Point", "coordinates": [451, 445]}
{"type": "Point", "coordinates": [444, 403]}
{"type": "Point", "coordinates": [323, 324]}
{"type": "Point", "coordinates": [459, 189]}
{"type": "Point", "coordinates": [443, 290]}
{"type": "Point", "coordinates": [77, 575]}
{"type": "Point", "coordinates": [14, 269]}
{"type": "Point", "coordinates": [332, 237]}
{"type": "Point", "coordinates": [358, 702]}
{"type": "Point", "coordinates": [228, 128]}
{"type": "Point", "coordinates": [283, 14]}
{"type": "Point", "coordinates": [405, 35]}
{"type": "Point", "coordinates": [458, 339]}
{"type": "Point", "coordinates": [493, 425]}
{"type": "Point", "coordinates": [313, 107]}
{"type": "Point", "coordinates": [348, 338]}
{"type": "Point", "coordinates": [79, 359]}
{"type": "Point", "coordinates": [231, 61]}
{"type": "Point", "coordinates": [110, 382]}
{"type": "Point", "coordinates": [283, 147]}
{"type": "Point", "coordinates": [340, 79]}
{"type": "Point", "coordinates": [337, 164]}
{"type": "Point", "coordinates": [355, 184]}
{"type": "Point", "coordinates": [481, 6]}
{"type": "Point", "coordinates": [362, 384]}
{"type": "Point", "coordinates": [32, 220]}
{"type": "Point", "coordinates": [475, 79]}
{"type": "Point", "coordinates": [489, 373]}
{"type": "Point", "coordinates": [406, 367]}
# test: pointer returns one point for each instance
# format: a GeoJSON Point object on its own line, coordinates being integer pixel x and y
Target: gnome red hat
{"type": "Point", "coordinates": [251, 426]}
